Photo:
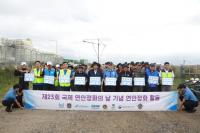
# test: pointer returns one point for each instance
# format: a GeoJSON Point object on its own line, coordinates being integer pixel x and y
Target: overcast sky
{"type": "Point", "coordinates": [149, 30]}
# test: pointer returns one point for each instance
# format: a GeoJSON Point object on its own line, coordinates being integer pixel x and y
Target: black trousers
{"type": "Point", "coordinates": [110, 89]}
{"type": "Point", "coordinates": [49, 87]}
{"type": "Point", "coordinates": [156, 89]}
{"type": "Point", "coordinates": [8, 103]}
{"type": "Point", "coordinates": [37, 86]}
{"type": "Point", "coordinates": [189, 104]}
{"type": "Point", "coordinates": [125, 89]}
{"type": "Point", "coordinates": [63, 88]}
{"type": "Point", "coordinates": [95, 88]}
{"type": "Point", "coordinates": [79, 88]}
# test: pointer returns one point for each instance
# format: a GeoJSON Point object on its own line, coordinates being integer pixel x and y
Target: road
{"type": "Point", "coordinates": [48, 121]}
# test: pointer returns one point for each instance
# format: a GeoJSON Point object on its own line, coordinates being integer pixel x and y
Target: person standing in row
{"type": "Point", "coordinates": [119, 71]}
{"type": "Point", "coordinates": [65, 71]}
{"type": "Point", "coordinates": [138, 72]}
{"type": "Point", "coordinates": [38, 76]}
{"type": "Point", "coordinates": [110, 78]}
{"type": "Point", "coordinates": [125, 79]}
{"type": "Point", "coordinates": [168, 73]}
{"type": "Point", "coordinates": [153, 78]}
{"type": "Point", "coordinates": [49, 77]}
{"type": "Point", "coordinates": [80, 79]}
{"type": "Point", "coordinates": [24, 85]}
{"type": "Point", "coordinates": [95, 78]}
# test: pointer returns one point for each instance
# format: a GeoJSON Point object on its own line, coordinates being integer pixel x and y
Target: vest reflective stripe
{"type": "Point", "coordinates": [166, 75]}
{"type": "Point", "coordinates": [56, 82]}
{"type": "Point", "coordinates": [37, 80]}
{"type": "Point", "coordinates": [62, 74]}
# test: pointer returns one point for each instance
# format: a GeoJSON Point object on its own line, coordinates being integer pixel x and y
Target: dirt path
{"type": "Point", "coordinates": [46, 121]}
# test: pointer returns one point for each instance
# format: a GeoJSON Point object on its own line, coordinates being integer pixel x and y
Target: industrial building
{"type": "Point", "coordinates": [14, 51]}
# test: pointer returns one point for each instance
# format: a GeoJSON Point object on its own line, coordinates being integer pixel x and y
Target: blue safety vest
{"type": "Point", "coordinates": [154, 73]}
{"type": "Point", "coordinates": [48, 72]}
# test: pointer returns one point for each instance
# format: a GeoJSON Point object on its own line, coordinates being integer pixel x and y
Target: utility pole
{"type": "Point", "coordinates": [98, 46]}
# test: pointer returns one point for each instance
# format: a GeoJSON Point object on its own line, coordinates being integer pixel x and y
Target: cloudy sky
{"type": "Point", "coordinates": [149, 30]}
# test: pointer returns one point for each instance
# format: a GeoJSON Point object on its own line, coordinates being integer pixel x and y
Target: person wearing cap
{"type": "Point", "coordinates": [167, 72]}
{"type": "Point", "coordinates": [65, 71]}
{"type": "Point", "coordinates": [80, 73]}
{"type": "Point", "coordinates": [138, 72]}
{"type": "Point", "coordinates": [110, 73]}
{"type": "Point", "coordinates": [95, 72]}
{"type": "Point", "coordinates": [188, 101]}
{"type": "Point", "coordinates": [107, 64]}
{"type": "Point", "coordinates": [38, 76]}
{"type": "Point", "coordinates": [125, 73]}
{"type": "Point", "coordinates": [57, 71]}
{"type": "Point", "coordinates": [152, 78]}
{"type": "Point", "coordinates": [24, 85]}
{"type": "Point", "coordinates": [49, 71]}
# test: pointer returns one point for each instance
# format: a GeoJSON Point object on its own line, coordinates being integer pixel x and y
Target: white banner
{"type": "Point", "coordinates": [126, 81]}
{"type": "Point", "coordinates": [110, 81]}
{"type": "Point", "coordinates": [49, 80]}
{"type": "Point", "coordinates": [139, 81]}
{"type": "Point", "coordinates": [153, 80]}
{"type": "Point", "coordinates": [64, 79]}
{"type": "Point", "coordinates": [101, 101]}
{"type": "Point", "coordinates": [79, 81]}
{"type": "Point", "coordinates": [95, 81]}
{"type": "Point", "coordinates": [28, 77]}
{"type": "Point", "coordinates": [167, 81]}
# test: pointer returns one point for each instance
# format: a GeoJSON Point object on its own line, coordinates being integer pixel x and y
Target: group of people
{"type": "Point", "coordinates": [127, 77]}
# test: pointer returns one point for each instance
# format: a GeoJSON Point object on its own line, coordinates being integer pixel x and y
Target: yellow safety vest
{"type": "Point", "coordinates": [56, 82]}
{"type": "Point", "coordinates": [37, 80]}
{"type": "Point", "coordinates": [166, 74]}
{"type": "Point", "coordinates": [62, 74]}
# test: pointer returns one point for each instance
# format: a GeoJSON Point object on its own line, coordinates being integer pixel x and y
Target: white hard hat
{"type": "Point", "coordinates": [196, 79]}
{"type": "Point", "coordinates": [186, 80]}
{"type": "Point", "coordinates": [23, 63]}
{"type": "Point", "coordinates": [192, 79]}
{"type": "Point", "coordinates": [49, 63]}
{"type": "Point", "coordinates": [57, 65]}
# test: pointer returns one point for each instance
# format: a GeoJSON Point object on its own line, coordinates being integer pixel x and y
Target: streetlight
{"type": "Point", "coordinates": [98, 46]}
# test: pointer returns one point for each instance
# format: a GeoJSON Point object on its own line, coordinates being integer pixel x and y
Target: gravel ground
{"type": "Point", "coordinates": [48, 121]}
